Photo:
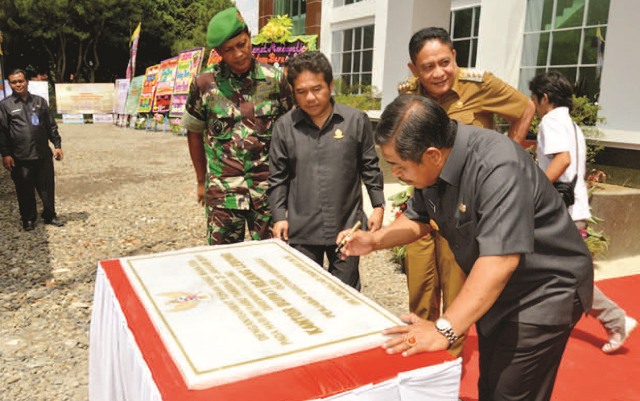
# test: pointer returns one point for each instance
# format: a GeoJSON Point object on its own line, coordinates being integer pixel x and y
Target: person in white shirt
{"type": "Point", "coordinates": [561, 154]}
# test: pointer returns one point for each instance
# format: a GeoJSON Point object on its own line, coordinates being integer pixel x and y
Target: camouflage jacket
{"type": "Point", "coordinates": [236, 116]}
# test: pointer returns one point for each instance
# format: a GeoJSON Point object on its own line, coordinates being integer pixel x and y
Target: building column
{"type": "Point", "coordinates": [313, 20]}
{"type": "Point", "coordinates": [619, 85]}
{"type": "Point", "coordinates": [394, 27]}
{"type": "Point", "coordinates": [265, 12]}
{"type": "Point", "coordinates": [501, 38]}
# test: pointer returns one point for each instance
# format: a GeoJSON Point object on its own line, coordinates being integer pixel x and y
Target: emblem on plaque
{"type": "Point", "coordinates": [182, 301]}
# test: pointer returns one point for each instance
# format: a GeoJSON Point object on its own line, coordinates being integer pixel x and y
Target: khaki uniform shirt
{"type": "Point", "coordinates": [476, 95]}
{"type": "Point", "coordinates": [236, 115]}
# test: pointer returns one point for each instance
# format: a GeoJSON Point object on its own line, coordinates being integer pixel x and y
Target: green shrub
{"type": "Point", "coordinates": [363, 97]}
{"type": "Point", "coordinates": [585, 114]}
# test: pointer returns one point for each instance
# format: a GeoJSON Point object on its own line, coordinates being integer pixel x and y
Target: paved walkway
{"type": "Point", "coordinates": [616, 267]}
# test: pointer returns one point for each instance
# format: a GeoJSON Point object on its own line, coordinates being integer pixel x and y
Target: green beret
{"type": "Point", "coordinates": [224, 25]}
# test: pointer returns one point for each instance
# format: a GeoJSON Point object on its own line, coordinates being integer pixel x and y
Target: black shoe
{"type": "Point", "coordinates": [28, 225]}
{"type": "Point", "coordinates": [55, 222]}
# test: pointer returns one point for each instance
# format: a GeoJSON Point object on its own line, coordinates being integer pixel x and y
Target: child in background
{"type": "Point", "coordinates": [561, 154]}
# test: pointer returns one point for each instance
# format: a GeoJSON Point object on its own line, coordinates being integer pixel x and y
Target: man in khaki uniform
{"type": "Point", "coordinates": [472, 97]}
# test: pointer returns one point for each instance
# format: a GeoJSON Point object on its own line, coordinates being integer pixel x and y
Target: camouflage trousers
{"type": "Point", "coordinates": [227, 226]}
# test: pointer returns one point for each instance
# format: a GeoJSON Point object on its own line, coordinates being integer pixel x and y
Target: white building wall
{"type": "Point", "coordinates": [500, 45]}
{"type": "Point", "coordinates": [395, 22]}
{"type": "Point", "coordinates": [348, 17]}
{"type": "Point", "coordinates": [620, 84]}
{"type": "Point", "coordinates": [501, 37]}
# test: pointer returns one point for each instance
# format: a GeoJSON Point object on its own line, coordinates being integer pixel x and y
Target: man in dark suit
{"type": "Point", "coordinates": [26, 127]}
{"type": "Point", "coordinates": [529, 273]}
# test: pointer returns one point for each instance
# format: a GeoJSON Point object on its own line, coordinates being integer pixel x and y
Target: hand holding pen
{"type": "Point", "coordinates": [346, 237]}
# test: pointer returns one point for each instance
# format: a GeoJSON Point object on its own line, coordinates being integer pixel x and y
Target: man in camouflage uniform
{"type": "Point", "coordinates": [472, 97]}
{"type": "Point", "coordinates": [229, 116]}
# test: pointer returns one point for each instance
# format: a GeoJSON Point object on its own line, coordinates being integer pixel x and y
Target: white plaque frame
{"type": "Point", "coordinates": [232, 312]}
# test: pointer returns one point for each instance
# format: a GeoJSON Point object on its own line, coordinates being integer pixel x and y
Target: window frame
{"type": "Point", "coordinates": [357, 54]}
{"type": "Point", "coordinates": [280, 7]}
{"type": "Point", "coordinates": [580, 67]}
{"type": "Point", "coordinates": [472, 55]}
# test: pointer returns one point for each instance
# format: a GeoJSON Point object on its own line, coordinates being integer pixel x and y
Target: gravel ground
{"type": "Point", "coordinates": [122, 192]}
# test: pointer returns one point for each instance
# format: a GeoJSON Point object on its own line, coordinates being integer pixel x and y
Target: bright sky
{"type": "Point", "coordinates": [249, 11]}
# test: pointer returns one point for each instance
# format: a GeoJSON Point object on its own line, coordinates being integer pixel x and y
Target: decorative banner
{"type": "Point", "coordinates": [103, 118]}
{"type": "Point", "coordinates": [133, 47]}
{"type": "Point", "coordinates": [275, 53]}
{"type": "Point", "coordinates": [40, 88]}
{"type": "Point", "coordinates": [77, 118]}
{"type": "Point", "coordinates": [178, 105]}
{"type": "Point", "coordinates": [84, 98]}
{"type": "Point", "coordinates": [162, 103]}
{"type": "Point", "coordinates": [133, 97]}
{"type": "Point", "coordinates": [148, 89]}
{"type": "Point", "coordinates": [189, 63]}
{"type": "Point", "coordinates": [1, 74]}
{"type": "Point", "coordinates": [122, 89]}
{"type": "Point", "coordinates": [164, 87]}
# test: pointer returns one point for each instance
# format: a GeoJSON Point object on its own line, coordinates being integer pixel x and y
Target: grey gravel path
{"type": "Point", "coordinates": [122, 192]}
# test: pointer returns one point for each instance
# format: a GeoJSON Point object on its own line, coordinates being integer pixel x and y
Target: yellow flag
{"type": "Point", "coordinates": [599, 35]}
{"type": "Point", "coordinates": [136, 34]}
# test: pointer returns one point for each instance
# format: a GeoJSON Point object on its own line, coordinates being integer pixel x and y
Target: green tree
{"type": "Point", "coordinates": [191, 19]}
{"type": "Point", "coordinates": [90, 38]}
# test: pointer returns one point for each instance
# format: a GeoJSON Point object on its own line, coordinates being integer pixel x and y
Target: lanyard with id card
{"type": "Point", "coordinates": [35, 120]}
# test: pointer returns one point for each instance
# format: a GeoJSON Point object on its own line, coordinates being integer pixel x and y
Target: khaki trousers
{"type": "Point", "coordinates": [433, 276]}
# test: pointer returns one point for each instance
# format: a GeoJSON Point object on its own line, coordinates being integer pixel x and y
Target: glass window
{"type": "Point", "coordinates": [367, 60]}
{"type": "Point", "coordinates": [598, 12]}
{"type": "Point", "coordinates": [463, 52]}
{"type": "Point", "coordinates": [464, 34]}
{"type": "Point", "coordinates": [352, 58]}
{"type": "Point", "coordinates": [592, 45]}
{"type": "Point", "coordinates": [567, 36]}
{"type": "Point", "coordinates": [340, 3]}
{"type": "Point", "coordinates": [368, 37]}
{"type": "Point", "coordinates": [569, 13]}
{"type": "Point", "coordinates": [536, 49]}
{"type": "Point", "coordinates": [587, 82]}
{"type": "Point", "coordinates": [348, 40]}
{"type": "Point", "coordinates": [565, 48]}
{"type": "Point", "coordinates": [296, 10]}
{"type": "Point", "coordinates": [365, 79]}
{"type": "Point", "coordinates": [539, 15]}
{"type": "Point", "coordinates": [463, 23]}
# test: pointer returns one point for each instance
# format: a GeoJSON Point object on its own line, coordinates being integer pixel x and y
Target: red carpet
{"type": "Point", "coordinates": [586, 373]}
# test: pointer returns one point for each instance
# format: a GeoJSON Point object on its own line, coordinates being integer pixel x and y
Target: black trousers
{"type": "Point", "coordinates": [346, 270]}
{"type": "Point", "coordinates": [520, 361]}
{"type": "Point", "coordinates": [30, 176]}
